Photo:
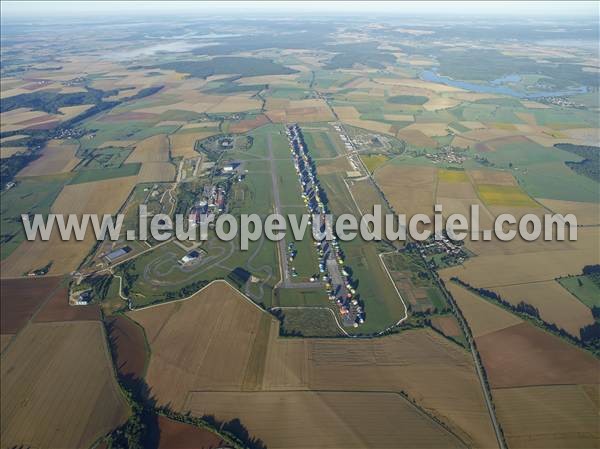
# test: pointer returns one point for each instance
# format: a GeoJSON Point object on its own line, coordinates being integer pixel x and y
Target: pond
{"type": "Point", "coordinates": [496, 86]}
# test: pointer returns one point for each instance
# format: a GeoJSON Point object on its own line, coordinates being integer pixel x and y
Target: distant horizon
{"type": "Point", "coordinates": [18, 10]}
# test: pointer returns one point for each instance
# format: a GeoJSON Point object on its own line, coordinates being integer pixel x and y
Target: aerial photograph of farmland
{"type": "Point", "coordinates": [179, 183]}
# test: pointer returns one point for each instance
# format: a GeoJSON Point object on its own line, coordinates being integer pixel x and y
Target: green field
{"type": "Point", "coordinates": [583, 288]}
{"type": "Point", "coordinates": [408, 268]}
{"type": "Point", "coordinates": [309, 323]}
{"type": "Point", "coordinates": [408, 99]}
{"type": "Point", "coordinates": [31, 195]}
{"type": "Point", "coordinates": [96, 174]}
{"type": "Point", "coordinates": [320, 143]}
{"type": "Point", "coordinates": [109, 157]}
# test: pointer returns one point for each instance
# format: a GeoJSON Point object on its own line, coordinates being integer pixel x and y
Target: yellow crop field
{"type": "Point", "coordinates": [452, 175]}
{"type": "Point", "coordinates": [58, 387]}
{"type": "Point", "coordinates": [499, 195]}
{"type": "Point", "coordinates": [374, 161]}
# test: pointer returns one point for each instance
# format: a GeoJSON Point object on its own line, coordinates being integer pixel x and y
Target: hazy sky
{"type": "Point", "coordinates": [23, 9]}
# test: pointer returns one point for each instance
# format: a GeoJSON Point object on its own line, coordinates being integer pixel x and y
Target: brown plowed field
{"type": "Point", "coordinates": [177, 435]}
{"type": "Point", "coordinates": [58, 309]}
{"type": "Point", "coordinates": [20, 298]}
{"type": "Point", "coordinates": [129, 342]}
{"type": "Point", "coordinates": [524, 355]}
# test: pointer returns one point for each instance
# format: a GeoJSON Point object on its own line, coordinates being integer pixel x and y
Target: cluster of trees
{"type": "Point", "coordinates": [127, 271]}
{"type": "Point", "coordinates": [589, 336]}
{"type": "Point", "coordinates": [522, 307]}
{"type": "Point", "coordinates": [100, 285]}
{"type": "Point", "coordinates": [590, 164]}
{"type": "Point", "coordinates": [185, 291]}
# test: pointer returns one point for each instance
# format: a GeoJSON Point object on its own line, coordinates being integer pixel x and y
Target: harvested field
{"type": "Point", "coordinates": [587, 136]}
{"type": "Point", "coordinates": [9, 151]}
{"type": "Point", "coordinates": [244, 126]}
{"type": "Point", "coordinates": [371, 125]}
{"type": "Point", "coordinates": [7, 139]}
{"type": "Point", "coordinates": [438, 102]}
{"type": "Point", "coordinates": [31, 255]}
{"type": "Point", "coordinates": [152, 149]}
{"type": "Point", "coordinates": [416, 138]}
{"type": "Point", "coordinates": [97, 197]}
{"type": "Point", "coordinates": [498, 266]}
{"type": "Point", "coordinates": [22, 118]}
{"type": "Point", "coordinates": [179, 364]}
{"type": "Point", "coordinates": [524, 355]}
{"type": "Point", "coordinates": [20, 298]}
{"type": "Point", "coordinates": [586, 213]}
{"type": "Point", "coordinates": [410, 190]}
{"type": "Point", "coordinates": [269, 79]}
{"type": "Point", "coordinates": [429, 129]}
{"type": "Point", "coordinates": [399, 117]}
{"type": "Point", "coordinates": [200, 125]}
{"type": "Point", "coordinates": [483, 318]}
{"type": "Point", "coordinates": [447, 325]}
{"type": "Point", "coordinates": [5, 339]}
{"type": "Point", "coordinates": [129, 343]}
{"type": "Point", "coordinates": [552, 417]}
{"type": "Point", "coordinates": [354, 420]}
{"type": "Point", "coordinates": [340, 165]}
{"type": "Point", "coordinates": [556, 304]}
{"type": "Point", "coordinates": [498, 143]}
{"type": "Point", "coordinates": [302, 111]}
{"type": "Point", "coordinates": [129, 116]}
{"type": "Point", "coordinates": [495, 177]}
{"type": "Point", "coordinates": [58, 156]}
{"type": "Point", "coordinates": [347, 113]}
{"type": "Point", "coordinates": [59, 366]}
{"type": "Point", "coordinates": [461, 142]}
{"type": "Point", "coordinates": [157, 172]}
{"type": "Point", "coordinates": [177, 435]}
{"type": "Point", "coordinates": [419, 84]}
{"type": "Point", "coordinates": [69, 112]}
{"type": "Point", "coordinates": [188, 340]}
{"type": "Point", "coordinates": [182, 143]}
{"type": "Point", "coordinates": [58, 309]}
{"type": "Point", "coordinates": [236, 103]}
